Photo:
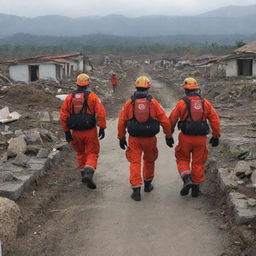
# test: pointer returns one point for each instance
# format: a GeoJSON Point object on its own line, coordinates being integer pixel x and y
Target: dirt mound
{"type": "Point", "coordinates": [30, 96]}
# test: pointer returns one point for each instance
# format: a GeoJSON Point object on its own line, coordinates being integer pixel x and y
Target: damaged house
{"type": "Point", "coordinates": [52, 67]}
{"type": "Point", "coordinates": [242, 62]}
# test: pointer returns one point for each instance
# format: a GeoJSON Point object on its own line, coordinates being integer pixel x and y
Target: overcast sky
{"type": "Point", "coordinates": [131, 8]}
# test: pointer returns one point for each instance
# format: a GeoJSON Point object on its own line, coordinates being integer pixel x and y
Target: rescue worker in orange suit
{"type": "Point", "coordinates": [191, 153]}
{"type": "Point", "coordinates": [78, 119]}
{"type": "Point", "coordinates": [142, 116]}
{"type": "Point", "coordinates": [113, 80]}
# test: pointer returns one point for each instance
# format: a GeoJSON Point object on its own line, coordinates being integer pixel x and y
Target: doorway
{"type": "Point", "coordinates": [33, 73]}
{"type": "Point", "coordinates": [244, 67]}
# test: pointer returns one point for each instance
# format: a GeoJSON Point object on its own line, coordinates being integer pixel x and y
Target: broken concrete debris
{"type": "Point", "coordinates": [17, 145]}
{"type": "Point", "coordinates": [21, 160]}
{"type": "Point", "coordinates": [44, 116]}
{"type": "Point", "coordinates": [243, 213]}
{"type": "Point", "coordinates": [251, 202]}
{"type": "Point", "coordinates": [43, 153]}
{"type": "Point", "coordinates": [55, 116]}
{"type": "Point", "coordinates": [6, 116]}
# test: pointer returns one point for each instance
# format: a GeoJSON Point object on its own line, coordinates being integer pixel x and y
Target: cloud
{"type": "Point", "coordinates": [132, 8]}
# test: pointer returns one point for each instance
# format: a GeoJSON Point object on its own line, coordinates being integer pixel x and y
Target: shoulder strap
{"type": "Point", "coordinates": [187, 101]}
{"type": "Point", "coordinates": [149, 97]}
{"type": "Point", "coordinates": [86, 106]}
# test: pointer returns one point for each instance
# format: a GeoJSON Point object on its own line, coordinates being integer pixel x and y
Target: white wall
{"type": "Point", "coordinates": [19, 73]}
{"type": "Point", "coordinates": [81, 65]}
{"type": "Point", "coordinates": [47, 71]}
{"type": "Point", "coordinates": [231, 68]}
{"type": "Point", "coordinates": [254, 68]}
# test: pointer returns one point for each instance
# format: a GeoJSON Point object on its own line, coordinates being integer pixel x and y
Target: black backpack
{"type": "Point", "coordinates": [192, 127]}
{"type": "Point", "coordinates": [142, 129]}
{"type": "Point", "coordinates": [81, 120]}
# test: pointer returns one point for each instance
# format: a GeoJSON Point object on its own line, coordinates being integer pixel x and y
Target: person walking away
{"type": "Point", "coordinates": [114, 82]}
{"type": "Point", "coordinates": [191, 153]}
{"type": "Point", "coordinates": [78, 120]}
{"type": "Point", "coordinates": [142, 116]}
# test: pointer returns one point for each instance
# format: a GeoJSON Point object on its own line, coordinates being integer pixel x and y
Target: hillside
{"type": "Point", "coordinates": [123, 26]}
{"type": "Point", "coordinates": [101, 40]}
{"type": "Point", "coordinates": [231, 11]}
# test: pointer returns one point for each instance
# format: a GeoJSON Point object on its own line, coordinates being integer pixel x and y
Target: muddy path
{"type": "Point", "coordinates": [65, 218]}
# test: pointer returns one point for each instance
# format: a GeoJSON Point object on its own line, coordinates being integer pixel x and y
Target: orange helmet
{"type": "Point", "coordinates": [142, 82]}
{"type": "Point", "coordinates": [190, 84]}
{"type": "Point", "coordinates": [83, 80]}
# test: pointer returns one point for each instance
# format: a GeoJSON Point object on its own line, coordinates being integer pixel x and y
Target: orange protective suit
{"type": "Point", "coordinates": [113, 80]}
{"type": "Point", "coordinates": [85, 142]}
{"type": "Point", "coordinates": [142, 145]}
{"type": "Point", "coordinates": [194, 146]}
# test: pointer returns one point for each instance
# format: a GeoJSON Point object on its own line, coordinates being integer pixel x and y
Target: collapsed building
{"type": "Point", "coordinates": [53, 67]}
{"type": "Point", "coordinates": [242, 62]}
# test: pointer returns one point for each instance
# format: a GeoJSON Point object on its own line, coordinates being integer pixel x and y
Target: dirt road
{"type": "Point", "coordinates": [107, 222]}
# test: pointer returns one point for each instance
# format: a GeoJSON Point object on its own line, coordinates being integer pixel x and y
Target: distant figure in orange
{"type": "Point", "coordinates": [192, 112]}
{"type": "Point", "coordinates": [114, 82]}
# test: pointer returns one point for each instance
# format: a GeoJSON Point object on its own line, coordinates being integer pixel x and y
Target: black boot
{"type": "Point", "coordinates": [195, 190]}
{"type": "Point", "coordinates": [148, 187]}
{"type": "Point", "coordinates": [136, 194]}
{"type": "Point", "coordinates": [87, 175]}
{"type": "Point", "coordinates": [187, 185]}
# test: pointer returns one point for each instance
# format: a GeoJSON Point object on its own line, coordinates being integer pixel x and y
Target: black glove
{"type": "Point", "coordinates": [101, 133]}
{"type": "Point", "coordinates": [214, 141]}
{"type": "Point", "coordinates": [68, 136]}
{"type": "Point", "coordinates": [169, 142]}
{"type": "Point", "coordinates": [123, 143]}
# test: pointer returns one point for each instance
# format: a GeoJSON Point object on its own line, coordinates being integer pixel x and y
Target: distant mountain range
{"type": "Point", "coordinates": [226, 21]}
{"type": "Point", "coordinates": [231, 11]}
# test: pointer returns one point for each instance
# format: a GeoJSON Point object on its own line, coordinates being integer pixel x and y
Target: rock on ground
{"type": "Point", "coordinates": [17, 145]}
{"type": "Point", "coordinates": [9, 220]}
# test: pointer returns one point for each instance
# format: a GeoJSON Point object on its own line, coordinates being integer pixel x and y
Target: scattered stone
{"type": "Point", "coordinates": [9, 220]}
{"type": "Point", "coordinates": [242, 213]}
{"type": "Point", "coordinates": [55, 116]}
{"type": "Point", "coordinates": [9, 167]}
{"type": "Point", "coordinates": [11, 190]}
{"type": "Point", "coordinates": [17, 145]}
{"type": "Point", "coordinates": [21, 160]}
{"type": "Point", "coordinates": [7, 177]}
{"type": "Point", "coordinates": [240, 182]}
{"type": "Point", "coordinates": [3, 143]}
{"type": "Point", "coordinates": [44, 116]}
{"type": "Point", "coordinates": [33, 136]}
{"type": "Point", "coordinates": [226, 179]}
{"type": "Point", "coordinates": [251, 202]}
{"type": "Point", "coordinates": [38, 165]}
{"type": "Point", "coordinates": [4, 158]}
{"type": "Point", "coordinates": [47, 136]}
{"type": "Point", "coordinates": [33, 150]}
{"type": "Point", "coordinates": [242, 168]}
{"type": "Point", "coordinates": [253, 179]}
{"type": "Point", "coordinates": [43, 153]}
{"type": "Point", "coordinates": [6, 128]}
{"type": "Point", "coordinates": [18, 132]}
{"type": "Point", "coordinates": [6, 133]}
{"type": "Point", "coordinates": [55, 156]}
